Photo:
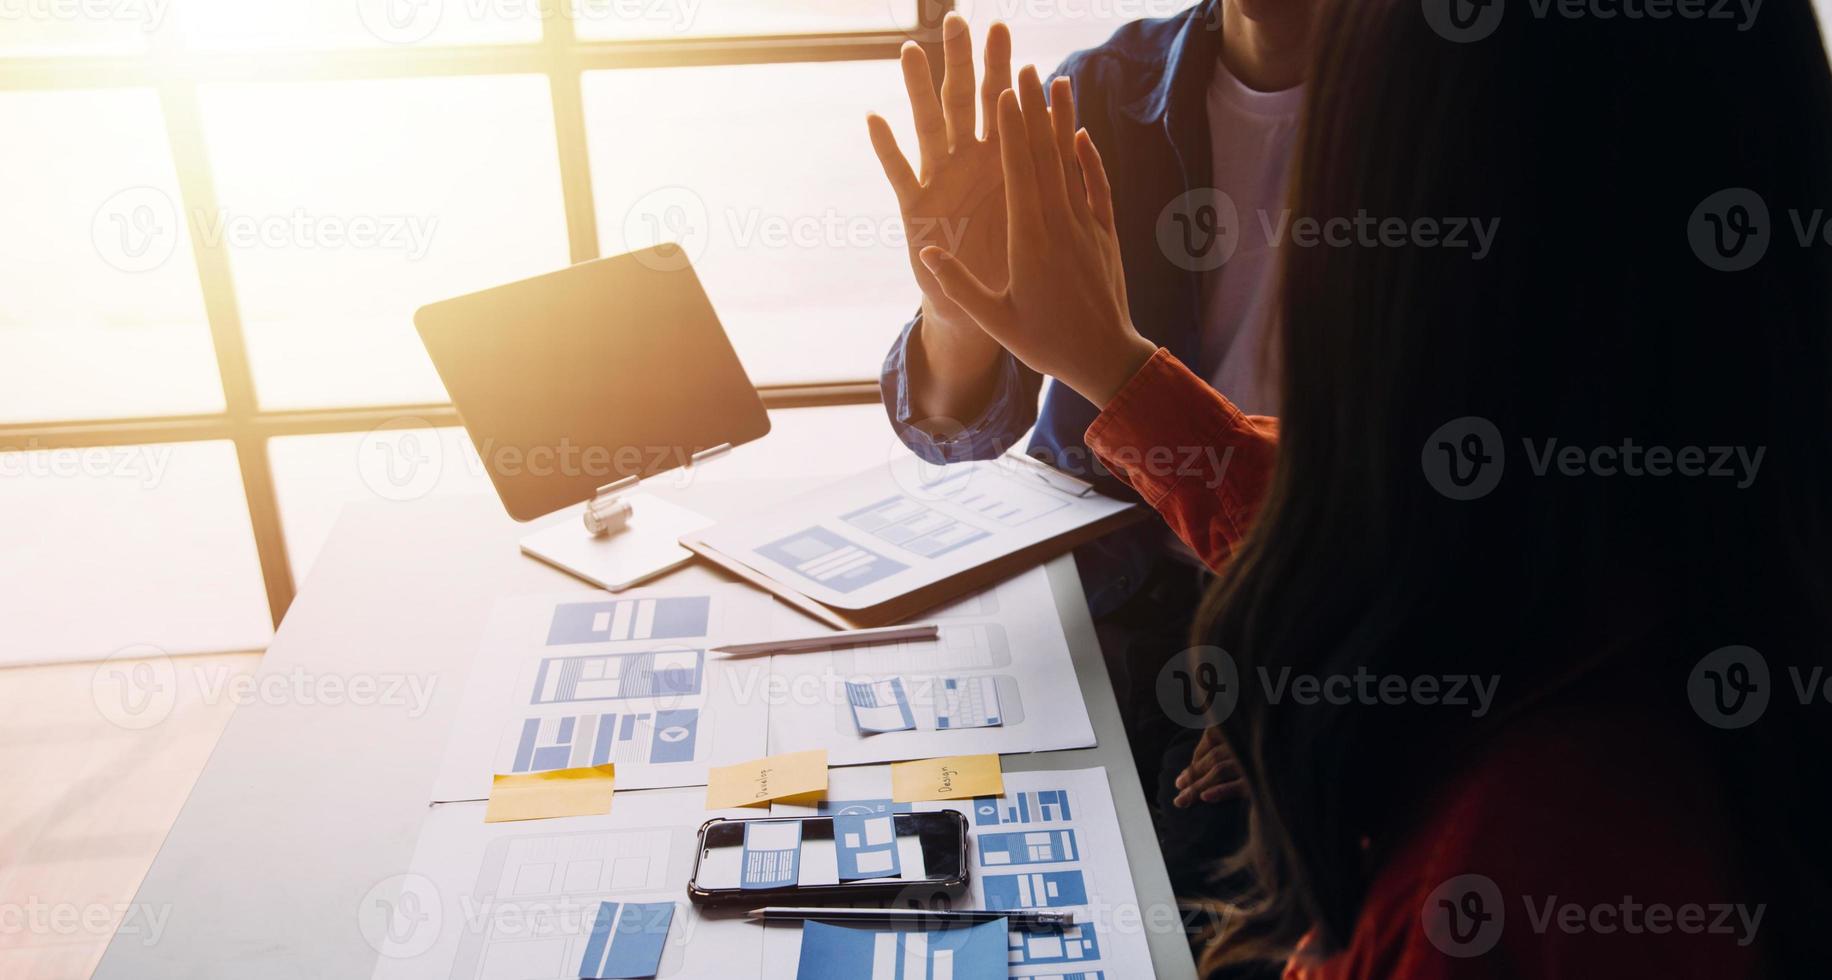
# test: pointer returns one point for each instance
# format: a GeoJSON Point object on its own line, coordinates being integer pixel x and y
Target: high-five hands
{"type": "Point", "coordinates": [1063, 311]}
{"type": "Point", "coordinates": [958, 198]}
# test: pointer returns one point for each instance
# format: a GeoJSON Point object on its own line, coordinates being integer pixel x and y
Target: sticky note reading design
{"type": "Point", "coordinates": [796, 777]}
{"type": "Point", "coordinates": [954, 778]}
{"type": "Point", "coordinates": [558, 793]}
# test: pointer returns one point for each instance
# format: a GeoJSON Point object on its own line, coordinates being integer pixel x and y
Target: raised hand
{"type": "Point", "coordinates": [957, 200]}
{"type": "Point", "coordinates": [1063, 311]}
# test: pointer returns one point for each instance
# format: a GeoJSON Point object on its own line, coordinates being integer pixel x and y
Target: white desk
{"type": "Point", "coordinates": [304, 807]}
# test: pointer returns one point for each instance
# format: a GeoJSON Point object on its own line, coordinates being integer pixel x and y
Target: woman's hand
{"type": "Point", "coordinates": [1064, 311]}
{"type": "Point", "coordinates": [1213, 774]}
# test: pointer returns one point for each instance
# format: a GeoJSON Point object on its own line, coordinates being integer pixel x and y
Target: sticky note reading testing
{"type": "Point", "coordinates": [559, 793]}
{"type": "Point", "coordinates": [953, 778]}
{"type": "Point", "coordinates": [794, 777]}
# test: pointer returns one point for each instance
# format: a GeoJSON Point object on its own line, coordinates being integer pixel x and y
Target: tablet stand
{"type": "Point", "coordinates": [628, 537]}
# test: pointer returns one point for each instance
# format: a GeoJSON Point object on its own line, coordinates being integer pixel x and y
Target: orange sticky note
{"type": "Point", "coordinates": [797, 777]}
{"type": "Point", "coordinates": [560, 793]}
{"type": "Point", "coordinates": [956, 777]}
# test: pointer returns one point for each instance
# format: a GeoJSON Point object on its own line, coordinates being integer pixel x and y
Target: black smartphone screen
{"type": "Point", "coordinates": [796, 860]}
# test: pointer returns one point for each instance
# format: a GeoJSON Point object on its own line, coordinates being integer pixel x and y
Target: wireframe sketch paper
{"type": "Point", "coordinates": [582, 679]}
{"type": "Point", "coordinates": [1000, 678]}
{"type": "Point", "coordinates": [527, 900]}
{"type": "Point", "coordinates": [1051, 842]}
{"type": "Point", "coordinates": [893, 529]}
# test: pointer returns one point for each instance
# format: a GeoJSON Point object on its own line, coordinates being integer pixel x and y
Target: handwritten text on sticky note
{"type": "Point", "coordinates": [793, 776]}
{"type": "Point", "coordinates": [954, 778]}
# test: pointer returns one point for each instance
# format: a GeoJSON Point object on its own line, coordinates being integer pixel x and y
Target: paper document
{"type": "Point", "coordinates": [896, 528]}
{"type": "Point", "coordinates": [999, 679]}
{"type": "Point", "coordinates": [528, 900]}
{"type": "Point", "coordinates": [581, 679]}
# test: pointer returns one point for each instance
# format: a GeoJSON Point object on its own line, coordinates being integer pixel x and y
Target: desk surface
{"type": "Point", "coordinates": [304, 807]}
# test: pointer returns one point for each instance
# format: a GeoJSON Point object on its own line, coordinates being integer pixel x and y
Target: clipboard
{"type": "Point", "coordinates": [920, 599]}
{"type": "Point", "coordinates": [577, 385]}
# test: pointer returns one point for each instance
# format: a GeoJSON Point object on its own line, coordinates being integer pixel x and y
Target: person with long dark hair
{"type": "Point", "coordinates": [1588, 472]}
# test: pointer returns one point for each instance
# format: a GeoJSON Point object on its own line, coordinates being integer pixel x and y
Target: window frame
{"type": "Point", "coordinates": [175, 74]}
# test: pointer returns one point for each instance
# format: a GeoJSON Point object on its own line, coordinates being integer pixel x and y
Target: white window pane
{"type": "Point", "coordinates": [245, 24]}
{"type": "Point", "coordinates": [126, 546]}
{"type": "Point", "coordinates": [406, 462]}
{"type": "Point", "coordinates": [348, 205]}
{"type": "Point", "coordinates": [767, 175]}
{"type": "Point", "coordinates": [628, 19]}
{"type": "Point", "coordinates": [38, 28]}
{"type": "Point", "coordinates": [401, 462]}
{"type": "Point", "coordinates": [100, 310]}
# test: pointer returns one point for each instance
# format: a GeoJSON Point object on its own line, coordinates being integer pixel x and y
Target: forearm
{"type": "Point", "coordinates": [1192, 455]}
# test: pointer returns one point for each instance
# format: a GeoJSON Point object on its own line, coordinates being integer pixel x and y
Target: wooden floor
{"type": "Point", "coordinates": [98, 759]}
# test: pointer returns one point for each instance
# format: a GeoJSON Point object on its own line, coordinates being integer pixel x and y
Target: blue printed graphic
{"type": "Point", "coordinates": [880, 706]}
{"type": "Point", "coordinates": [1028, 847]}
{"type": "Point", "coordinates": [1043, 806]}
{"type": "Point", "coordinates": [866, 846]}
{"type": "Point", "coordinates": [828, 808]}
{"type": "Point", "coordinates": [627, 940]}
{"type": "Point", "coordinates": [629, 619]}
{"type": "Point", "coordinates": [772, 854]}
{"type": "Point", "coordinates": [967, 702]}
{"type": "Point", "coordinates": [577, 741]}
{"type": "Point", "coordinates": [830, 952]}
{"type": "Point", "coordinates": [830, 560]}
{"type": "Point", "coordinates": [1035, 890]}
{"type": "Point", "coordinates": [1071, 944]}
{"type": "Point", "coordinates": [618, 676]}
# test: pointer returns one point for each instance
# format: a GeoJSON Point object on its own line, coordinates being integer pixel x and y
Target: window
{"type": "Point", "coordinates": [223, 214]}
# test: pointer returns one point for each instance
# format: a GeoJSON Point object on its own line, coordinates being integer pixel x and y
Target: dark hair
{"type": "Point", "coordinates": [1592, 319]}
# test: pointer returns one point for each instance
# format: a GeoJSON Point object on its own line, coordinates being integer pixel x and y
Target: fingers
{"type": "Point", "coordinates": [998, 75]}
{"type": "Point", "coordinates": [1062, 126]}
{"type": "Point", "coordinates": [959, 284]}
{"type": "Point", "coordinates": [1094, 175]}
{"type": "Point", "coordinates": [931, 129]}
{"type": "Point", "coordinates": [957, 79]}
{"type": "Point", "coordinates": [1211, 783]}
{"type": "Point", "coordinates": [1045, 161]}
{"type": "Point", "coordinates": [1021, 201]}
{"type": "Point", "coordinates": [890, 157]}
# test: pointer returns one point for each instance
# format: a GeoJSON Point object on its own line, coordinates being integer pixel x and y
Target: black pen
{"type": "Point", "coordinates": [1017, 920]}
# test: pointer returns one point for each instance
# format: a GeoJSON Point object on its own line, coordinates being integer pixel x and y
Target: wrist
{"type": "Point", "coordinates": [1115, 369]}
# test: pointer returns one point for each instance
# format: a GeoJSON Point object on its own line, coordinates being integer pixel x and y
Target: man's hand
{"type": "Point", "coordinates": [1213, 774]}
{"type": "Point", "coordinates": [1064, 311]}
{"type": "Point", "coordinates": [957, 202]}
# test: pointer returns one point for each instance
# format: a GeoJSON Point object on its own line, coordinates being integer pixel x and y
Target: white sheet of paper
{"type": "Point", "coordinates": [1047, 870]}
{"type": "Point", "coordinates": [518, 899]}
{"type": "Point", "coordinates": [1010, 633]}
{"type": "Point", "coordinates": [895, 528]}
{"type": "Point", "coordinates": [583, 678]}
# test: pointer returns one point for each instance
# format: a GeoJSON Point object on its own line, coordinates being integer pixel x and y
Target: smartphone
{"type": "Point", "coordinates": [796, 861]}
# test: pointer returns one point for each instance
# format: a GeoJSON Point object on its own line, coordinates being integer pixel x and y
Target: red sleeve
{"type": "Point", "coordinates": [1189, 452]}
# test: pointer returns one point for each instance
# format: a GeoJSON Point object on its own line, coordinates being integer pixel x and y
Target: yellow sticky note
{"type": "Point", "coordinates": [797, 777]}
{"type": "Point", "coordinates": [560, 793]}
{"type": "Point", "coordinates": [957, 777]}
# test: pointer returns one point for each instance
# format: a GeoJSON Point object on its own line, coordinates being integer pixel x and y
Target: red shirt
{"type": "Point", "coordinates": [1599, 843]}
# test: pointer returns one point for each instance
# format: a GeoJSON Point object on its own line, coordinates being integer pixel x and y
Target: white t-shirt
{"type": "Point", "coordinates": [1251, 135]}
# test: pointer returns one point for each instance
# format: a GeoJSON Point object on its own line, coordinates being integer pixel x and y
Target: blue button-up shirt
{"type": "Point", "coordinates": [1141, 97]}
